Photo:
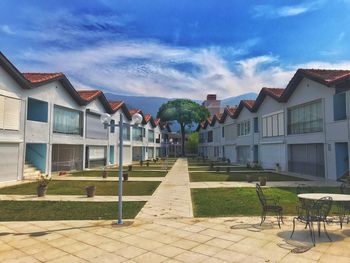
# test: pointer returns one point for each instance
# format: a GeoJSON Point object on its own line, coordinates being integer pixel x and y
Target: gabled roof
{"type": "Point", "coordinates": [327, 77]}
{"type": "Point", "coordinates": [274, 93]}
{"type": "Point", "coordinates": [228, 111]}
{"type": "Point", "coordinates": [157, 121]}
{"type": "Point", "coordinates": [41, 77]}
{"type": "Point", "coordinates": [133, 111]}
{"type": "Point", "coordinates": [87, 96]}
{"type": "Point", "coordinates": [249, 104]}
{"type": "Point", "coordinates": [119, 104]}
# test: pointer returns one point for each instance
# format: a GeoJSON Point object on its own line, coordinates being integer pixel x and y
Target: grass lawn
{"type": "Point", "coordinates": [232, 168]}
{"type": "Point", "coordinates": [78, 188]}
{"type": "Point", "coordinates": [207, 163]}
{"type": "Point", "coordinates": [45, 210]}
{"type": "Point", "coordinates": [114, 173]}
{"type": "Point", "coordinates": [240, 177]}
{"type": "Point", "coordinates": [243, 201]}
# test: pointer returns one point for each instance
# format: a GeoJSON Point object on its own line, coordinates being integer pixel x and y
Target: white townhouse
{"type": "Point", "coordinates": [304, 128]}
{"type": "Point", "coordinates": [47, 124]}
{"type": "Point", "coordinates": [228, 134]}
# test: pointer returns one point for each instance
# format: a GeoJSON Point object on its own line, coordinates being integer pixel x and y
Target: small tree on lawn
{"type": "Point", "coordinates": [185, 112]}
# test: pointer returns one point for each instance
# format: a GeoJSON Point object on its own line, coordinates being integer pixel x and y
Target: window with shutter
{"type": "Point", "coordinates": [12, 114]}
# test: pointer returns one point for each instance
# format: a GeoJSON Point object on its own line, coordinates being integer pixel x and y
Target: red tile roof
{"type": "Point", "coordinates": [147, 117]}
{"type": "Point", "coordinates": [40, 77]}
{"type": "Point", "coordinates": [89, 95]}
{"type": "Point", "coordinates": [115, 105]}
{"type": "Point", "coordinates": [277, 92]}
{"type": "Point", "coordinates": [327, 75]}
{"type": "Point", "coordinates": [249, 103]}
{"type": "Point", "coordinates": [156, 121]}
{"type": "Point", "coordinates": [133, 111]}
{"type": "Point", "coordinates": [231, 110]}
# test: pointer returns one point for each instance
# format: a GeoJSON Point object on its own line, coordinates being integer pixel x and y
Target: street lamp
{"type": "Point", "coordinates": [106, 121]}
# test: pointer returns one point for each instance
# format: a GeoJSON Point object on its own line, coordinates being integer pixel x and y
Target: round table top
{"type": "Point", "coordinates": [316, 196]}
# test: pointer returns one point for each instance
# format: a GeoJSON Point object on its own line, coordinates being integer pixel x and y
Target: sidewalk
{"type": "Point", "coordinates": [172, 199]}
{"type": "Point", "coordinates": [108, 179]}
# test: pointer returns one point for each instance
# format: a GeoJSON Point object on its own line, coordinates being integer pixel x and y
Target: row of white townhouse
{"type": "Point", "coordinates": [304, 128]}
{"type": "Point", "coordinates": [48, 124]}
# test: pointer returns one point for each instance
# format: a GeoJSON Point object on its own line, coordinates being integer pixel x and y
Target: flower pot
{"type": "Point", "coordinates": [130, 168]}
{"type": "Point", "coordinates": [249, 178]}
{"type": "Point", "coordinates": [104, 174]}
{"type": "Point", "coordinates": [147, 163]}
{"type": "Point", "coordinates": [125, 176]}
{"type": "Point", "coordinates": [262, 181]}
{"type": "Point", "coordinates": [41, 190]}
{"type": "Point", "coordinates": [90, 191]}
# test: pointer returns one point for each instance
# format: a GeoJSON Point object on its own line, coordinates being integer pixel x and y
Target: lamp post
{"type": "Point", "coordinates": [106, 120]}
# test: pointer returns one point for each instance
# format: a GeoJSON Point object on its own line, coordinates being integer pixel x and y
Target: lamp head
{"type": "Point", "coordinates": [137, 118]}
{"type": "Point", "coordinates": [105, 118]}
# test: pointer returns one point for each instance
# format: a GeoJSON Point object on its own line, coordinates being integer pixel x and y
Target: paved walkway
{"type": "Point", "coordinates": [269, 184]}
{"type": "Point", "coordinates": [172, 199]}
{"type": "Point", "coordinates": [232, 239]}
{"type": "Point", "coordinates": [108, 179]}
{"type": "Point", "coordinates": [72, 198]}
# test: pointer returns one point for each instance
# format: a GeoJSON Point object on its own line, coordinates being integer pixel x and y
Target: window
{"type": "Point", "coordinates": [126, 132]}
{"type": "Point", "coordinates": [37, 110]}
{"type": "Point", "coordinates": [67, 121]}
{"type": "Point", "coordinates": [273, 125]}
{"type": "Point", "coordinates": [339, 106]}
{"type": "Point", "coordinates": [243, 128]}
{"type": "Point", "coordinates": [137, 133]}
{"type": "Point", "coordinates": [210, 136]}
{"type": "Point", "coordinates": [256, 124]}
{"type": "Point", "coordinates": [112, 126]}
{"type": "Point", "coordinates": [305, 118]}
{"type": "Point", "coordinates": [10, 109]}
{"type": "Point", "coordinates": [150, 136]}
{"type": "Point", "coordinates": [223, 132]}
{"type": "Point", "coordinates": [94, 128]}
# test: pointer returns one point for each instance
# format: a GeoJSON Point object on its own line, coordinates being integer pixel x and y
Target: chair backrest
{"type": "Point", "coordinates": [260, 194]}
{"type": "Point", "coordinates": [322, 207]}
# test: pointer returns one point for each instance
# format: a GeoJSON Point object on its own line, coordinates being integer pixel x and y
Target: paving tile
{"type": "Point", "coordinates": [169, 251]}
{"type": "Point", "coordinates": [191, 257]}
{"type": "Point", "coordinates": [150, 257]}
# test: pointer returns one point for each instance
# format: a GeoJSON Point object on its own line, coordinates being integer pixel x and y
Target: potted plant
{"type": "Point", "coordinates": [130, 168]}
{"type": "Point", "coordinates": [125, 176]}
{"type": "Point", "coordinates": [262, 180]}
{"type": "Point", "coordinates": [278, 167]}
{"type": "Point", "coordinates": [90, 191]}
{"type": "Point", "coordinates": [43, 182]}
{"type": "Point", "coordinates": [249, 178]}
{"type": "Point", "coordinates": [147, 163]}
{"type": "Point", "coordinates": [104, 174]}
{"type": "Point", "coordinates": [141, 163]}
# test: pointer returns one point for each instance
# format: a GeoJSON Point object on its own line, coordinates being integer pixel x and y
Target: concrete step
{"type": "Point", "coordinates": [30, 169]}
{"type": "Point", "coordinates": [31, 175]}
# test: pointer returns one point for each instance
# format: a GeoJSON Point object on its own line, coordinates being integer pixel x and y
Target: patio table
{"type": "Point", "coordinates": [340, 199]}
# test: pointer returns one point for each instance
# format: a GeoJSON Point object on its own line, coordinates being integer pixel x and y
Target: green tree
{"type": "Point", "coordinates": [185, 112]}
{"type": "Point", "coordinates": [192, 142]}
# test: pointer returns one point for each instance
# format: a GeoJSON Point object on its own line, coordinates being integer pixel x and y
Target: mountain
{"type": "Point", "coordinates": [151, 104]}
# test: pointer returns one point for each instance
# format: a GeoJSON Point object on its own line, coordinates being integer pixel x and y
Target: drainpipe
{"type": "Point", "coordinates": [325, 149]}
{"type": "Point", "coordinates": [24, 138]}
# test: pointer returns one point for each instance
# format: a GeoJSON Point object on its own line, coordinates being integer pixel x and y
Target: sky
{"type": "Point", "coordinates": [181, 48]}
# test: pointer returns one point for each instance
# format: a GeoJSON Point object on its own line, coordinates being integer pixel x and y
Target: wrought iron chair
{"type": "Point", "coordinates": [344, 207]}
{"type": "Point", "coordinates": [269, 205]}
{"type": "Point", "coordinates": [304, 204]}
{"type": "Point", "coordinates": [317, 213]}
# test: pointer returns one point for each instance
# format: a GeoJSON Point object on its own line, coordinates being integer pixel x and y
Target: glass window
{"type": "Point", "coordinates": [273, 125]}
{"type": "Point", "coordinates": [210, 136]}
{"type": "Point", "coordinates": [126, 132]}
{"type": "Point", "coordinates": [67, 121]}
{"type": "Point", "coordinates": [37, 110]}
{"type": "Point", "coordinates": [150, 135]}
{"type": "Point", "coordinates": [339, 106]}
{"type": "Point", "coordinates": [305, 118]}
{"type": "Point", "coordinates": [137, 133]}
{"type": "Point", "coordinates": [243, 128]}
{"type": "Point", "coordinates": [256, 124]}
{"type": "Point", "coordinates": [112, 126]}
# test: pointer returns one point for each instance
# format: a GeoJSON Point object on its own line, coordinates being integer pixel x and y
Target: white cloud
{"type": "Point", "coordinates": [6, 29]}
{"type": "Point", "coordinates": [154, 69]}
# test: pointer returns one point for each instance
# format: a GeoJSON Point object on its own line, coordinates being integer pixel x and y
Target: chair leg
{"type": "Point", "coordinates": [312, 233]}
{"type": "Point", "coordinates": [263, 217]}
{"type": "Point", "coordinates": [319, 228]}
{"type": "Point", "coordinates": [281, 216]}
{"type": "Point", "coordinates": [278, 220]}
{"type": "Point", "coordinates": [325, 230]}
{"type": "Point", "coordinates": [293, 227]}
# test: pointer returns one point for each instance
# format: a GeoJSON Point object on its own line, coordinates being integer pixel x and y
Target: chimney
{"type": "Point", "coordinates": [212, 104]}
{"type": "Point", "coordinates": [211, 97]}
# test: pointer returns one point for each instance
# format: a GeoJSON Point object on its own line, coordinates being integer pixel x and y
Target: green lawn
{"type": "Point", "coordinates": [240, 177]}
{"type": "Point", "coordinates": [243, 201]}
{"type": "Point", "coordinates": [114, 173]}
{"type": "Point", "coordinates": [136, 168]}
{"type": "Point", "coordinates": [207, 163]}
{"type": "Point", "coordinates": [45, 210]}
{"type": "Point", "coordinates": [232, 168]}
{"type": "Point", "coordinates": [78, 188]}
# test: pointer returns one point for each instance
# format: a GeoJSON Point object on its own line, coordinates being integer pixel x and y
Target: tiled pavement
{"type": "Point", "coordinates": [75, 198]}
{"type": "Point", "coordinates": [172, 199]}
{"type": "Point", "coordinates": [167, 240]}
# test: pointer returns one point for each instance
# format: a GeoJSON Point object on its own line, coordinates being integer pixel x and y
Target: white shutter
{"type": "Point", "coordinates": [12, 114]}
{"type": "Point", "coordinates": [274, 125]}
{"type": "Point", "coordinates": [2, 111]}
{"type": "Point", "coordinates": [280, 124]}
{"type": "Point", "coordinates": [269, 126]}
{"type": "Point", "coordinates": [97, 152]}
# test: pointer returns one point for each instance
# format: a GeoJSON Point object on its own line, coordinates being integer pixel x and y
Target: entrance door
{"type": "Point", "coordinates": [342, 158]}
{"type": "Point", "coordinates": [9, 162]}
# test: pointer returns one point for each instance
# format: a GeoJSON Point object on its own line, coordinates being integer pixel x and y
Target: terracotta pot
{"type": "Point", "coordinates": [41, 190]}
{"type": "Point", "coordinates": [125, 176]}
{"type": "Point", "coordinates": [262, 181]}
{"type": "Point", "coordinates": [147, 163]}
{"type": "Point", "coordinates": [90, 191]}
{"type": "Point", "coordinates": [104, 174]}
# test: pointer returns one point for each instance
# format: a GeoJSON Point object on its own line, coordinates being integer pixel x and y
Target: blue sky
{"type": "Point", "coordinates": [176, 48]}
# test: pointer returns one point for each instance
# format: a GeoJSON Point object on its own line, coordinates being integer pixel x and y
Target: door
{"type": "Point", "coordinates": [341, 158]}
{"type": "Point", "coordinates": [111, 154]}
{"type": "Point", "coordinates": [9, 162]}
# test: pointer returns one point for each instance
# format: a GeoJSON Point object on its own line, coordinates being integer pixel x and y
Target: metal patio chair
{"type": "Point", "coordinates": [269, 205]}
{"type": "Point", "coordinates": [317, 213]}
